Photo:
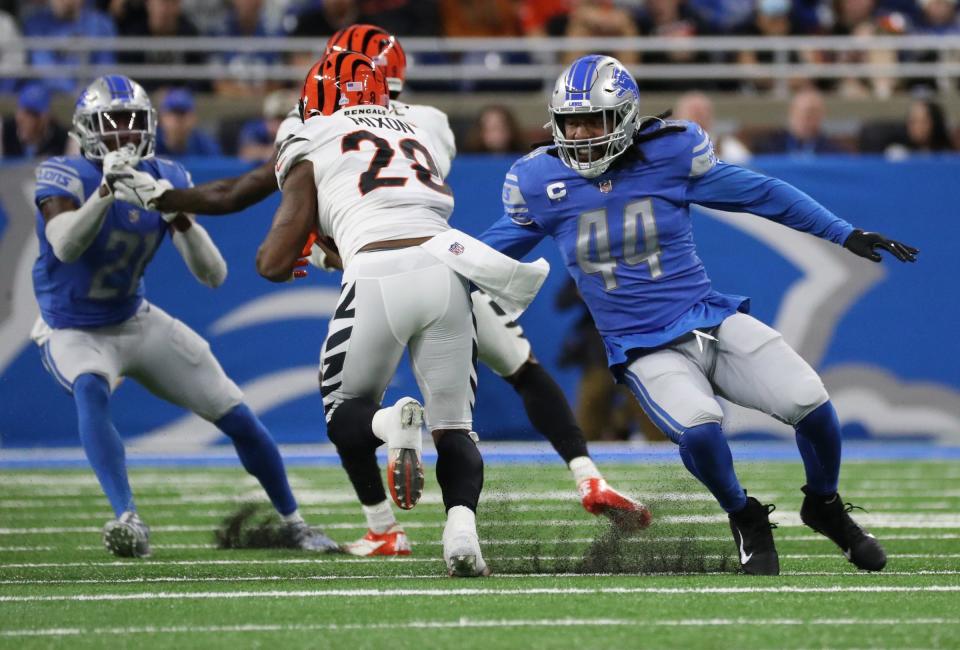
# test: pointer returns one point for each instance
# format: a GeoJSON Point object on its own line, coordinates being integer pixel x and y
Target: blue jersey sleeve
{"type": "Point", "coordinates": [518, 230]}
{"type": "Point", "coordinates": [733, 188]}
{"type": "Point", "coordinates": [59, 177]}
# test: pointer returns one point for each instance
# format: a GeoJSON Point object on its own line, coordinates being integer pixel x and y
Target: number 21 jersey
{"type": "Point", "coordinates": [104, 286]}
{"type": "Point", "coordinates": [377, 177]}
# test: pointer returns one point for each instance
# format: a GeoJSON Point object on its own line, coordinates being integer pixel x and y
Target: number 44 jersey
{"type": "Point", "coordinates": [377, 176]}
{"type": "Point", "coordinates": [104, 286]}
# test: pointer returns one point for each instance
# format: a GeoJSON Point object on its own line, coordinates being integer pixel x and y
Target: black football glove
{"type": "Point", "coordinates": [864, 244]}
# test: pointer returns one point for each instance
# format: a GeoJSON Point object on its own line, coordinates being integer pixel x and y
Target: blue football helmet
{"type": "Point", "coordinates": [114, 111]}
{"type": "Point", "coordinates": [595, 84]}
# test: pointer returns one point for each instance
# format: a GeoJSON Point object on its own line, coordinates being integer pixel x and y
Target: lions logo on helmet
{"type": "Point", "coordinates": [595, 85]}
{"type": "Point", "coordinates": [114, 111]}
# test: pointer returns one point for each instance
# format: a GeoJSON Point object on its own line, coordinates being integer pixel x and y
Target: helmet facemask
{"type": "Point", "coordinates": [101, 132]}
{"type": "Point", "coordinates": [590, 157]}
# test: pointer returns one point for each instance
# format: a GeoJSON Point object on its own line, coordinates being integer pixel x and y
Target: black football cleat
{"type": "Point", "coordinates": [830, 517]}
{"type": "Point", "coordinates": [752, 534]}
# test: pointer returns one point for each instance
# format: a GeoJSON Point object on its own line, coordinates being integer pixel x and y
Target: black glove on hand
{"type": "Point", "coordinates": [864, 244]}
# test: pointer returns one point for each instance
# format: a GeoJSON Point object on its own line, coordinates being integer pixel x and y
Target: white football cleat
{"type": "Point", "coordinates": [401, 425]}
{"type": "Point", "coordinates": [127, 536]}
{"type": "Point", "coordinates": [461, 545]}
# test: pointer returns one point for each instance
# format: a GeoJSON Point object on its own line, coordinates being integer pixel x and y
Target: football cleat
{"type": "Point", "coordinates": [461, 545]}
{"type": "Point", "coordinates": [311, 539]}
{"type": "Point", "coordinates": [393, 542]}
{"type": "Point", "coordinates": [404, 457]}
{"type": "Point", "coordinates": [830, 517]}
{"type": "Point", "coordinates": [752, 534]}
{"type": "Point", "coordinates": [127, 536]}
{"type": "Point", "coordinates": [598, 498]}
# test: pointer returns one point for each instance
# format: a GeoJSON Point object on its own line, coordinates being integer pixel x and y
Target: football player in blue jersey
{"type": "Point", "coordinates": [95, 325]}
{"type": "Point", "coordinates": [614, 192]}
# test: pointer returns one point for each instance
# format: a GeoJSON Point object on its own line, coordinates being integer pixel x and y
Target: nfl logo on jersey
{"type": "Point", "coordinates": [606, 186]}
{"type": "Point", "coordinates": [456, 248]}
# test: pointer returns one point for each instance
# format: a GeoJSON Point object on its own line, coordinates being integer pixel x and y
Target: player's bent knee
{"type": "Point", "coordinates": [805, 396]}
{"type": "Point", "coordinates": [350, 417]}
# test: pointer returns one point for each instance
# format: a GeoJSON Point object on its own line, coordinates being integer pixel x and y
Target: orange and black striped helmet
{"type": "Point", "coordinates": [339, 80]}
{"type": "Point", "coordinates": [380, 45]}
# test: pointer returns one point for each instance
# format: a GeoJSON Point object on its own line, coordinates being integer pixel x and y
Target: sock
{"type": "Point", "coordinates": [549, 411]}
{"type": "Point", "coordinates": [459, 469]}
{"type": "Point", "coordinates": [293, 518]}
{"type": "Point", "coordinates": [460, 518]}
{"type": "Point", "coordinates": [706, 454]}
{"type": "Point", "coordinates": [379, 516]}
{"type": "Point", "coordinates": [101, 442]}
{"type": "Point", "coordinates": [350, 429]}
{"type": "Point", "coordinates": [818, 439]}
{"type": "Point", "coordinates": [259, 455]}
{"type": "Point", "coordinates": [583, 468]}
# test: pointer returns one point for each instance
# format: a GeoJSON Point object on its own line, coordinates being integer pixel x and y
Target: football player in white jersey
{"type": "Point", "coordinates": [502, 345]}
{"type": "Point", "coordinates": [371, 183]}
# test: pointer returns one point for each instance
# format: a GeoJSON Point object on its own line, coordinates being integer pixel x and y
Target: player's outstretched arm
{"type": "Point", "coordinates": [729, 187]}
{"type": "Point", "coordinates": [511, 238]}
{"type": "Point", "coordinates": [222, 196]}
{"type": "Point", "coordinates": [292, 224]}
{"type": "Point", "coordinates": [71, 228]}
{"type": "Point", "coordinates": [202, 256]}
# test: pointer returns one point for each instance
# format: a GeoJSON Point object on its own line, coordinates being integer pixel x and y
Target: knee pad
{"type": "Point", "coordinates": [804, 396]}
{"type": "Point", "coordinates": [351, 425]}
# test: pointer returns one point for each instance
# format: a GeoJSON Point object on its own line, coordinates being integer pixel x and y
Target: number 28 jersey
{"type": "Point", "coordinates": [377, 175]}
{"type": "Point", "coordinates": [104, 286]}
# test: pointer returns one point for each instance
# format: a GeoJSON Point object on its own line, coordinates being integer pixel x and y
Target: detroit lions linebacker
{"type": "Point", "coordinates": [614, 191]}
{"type": "Point", "coordinates": [95, 325]}
{"type": "Point", "coordinates": [502, 345]}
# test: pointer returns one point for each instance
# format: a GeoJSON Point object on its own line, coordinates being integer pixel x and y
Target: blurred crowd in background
{"type": "Point", "coordinates": [33, 131]}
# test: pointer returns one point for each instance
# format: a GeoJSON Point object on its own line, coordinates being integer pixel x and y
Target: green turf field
{"type": "Point", "coordinates": [671, 586]}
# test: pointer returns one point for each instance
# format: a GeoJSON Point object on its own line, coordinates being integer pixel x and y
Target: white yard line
{"type": "Point", "coordinates": [407, 560]}
{"type": "Point", "coordinates": [467, 623]}
{"type": "Point", "coordinates": [438, 576]}
{"type": "Point", "coordinates": [446, 593]}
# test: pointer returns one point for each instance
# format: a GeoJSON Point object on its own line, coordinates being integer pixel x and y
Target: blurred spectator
{"type": "Point", "coordinates": [696, 107]}
{"type": "Point", "coordinates": [9, 33]}
{"type": "Point", "coordinates": [588, 18]}
{"type": "Point", "coordinates": [325, 18]}
{"type": "Point", "coordinates": [479, 18]}
{"type": "Point", "coordinates": [535, 14]}
{"type": "Point", "coordinates": [939, 17]}
{"type": "Point", "coordinates": [926, 131]}
{"type": "Point", "coordinates": [32, 132]}
{"type": "Point", "coordinates": [257, 137]}
{"type": "Point", "coordinates": [671, 19]}
{"type": "Point", "coordinates": [404, 18]}
{"type": "Point", "coordinates": [177, 132]}
{"type": "Point", "coordinates": [68, 19]}
{"type": "Point", "coordinates": [163, 18]}
{"type": "Point", "coordinates": [724, 16]}
{"type": "Point", "coordinates": [248, 72]}
{"type": "Point", "coordinates": [769, 18]}
{"type": "Point", "coordinates": [804, 133]}
{"type": "Point", "coordinates": [495, 131]}
{"type": "Point", "coordinates": [123, 12]}
{"type": "Point", "coordinates": [862, 18]}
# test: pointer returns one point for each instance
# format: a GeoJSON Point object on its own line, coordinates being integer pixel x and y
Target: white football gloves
{"type": "Point", "coordinates": [141, 189]}
{"type": "Point", "coordinates": [318, 258]}
{"type": "Point", "coordinates": [117, 164]}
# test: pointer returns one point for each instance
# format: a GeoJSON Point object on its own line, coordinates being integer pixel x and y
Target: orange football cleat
{"type": "Point", "coordinates": [598, 498]}
{"type": "Point", "coordinates": [391, 543]}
